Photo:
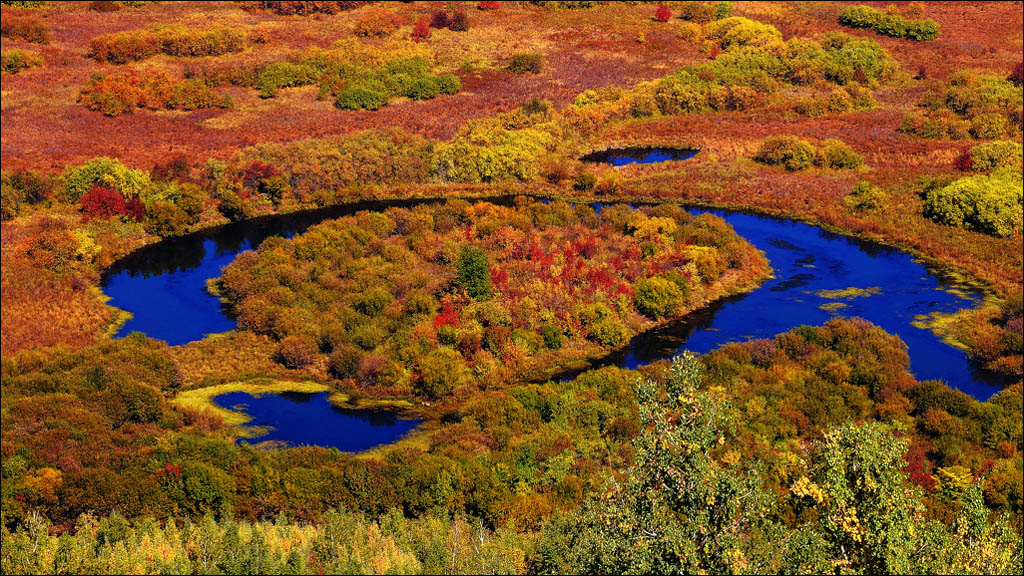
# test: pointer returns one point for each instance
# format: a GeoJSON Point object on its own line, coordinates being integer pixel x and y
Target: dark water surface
{"type": "Point", "coordinates": [638, 155]}
{"type": "Point", "coordinates": [164, 287]}
{"type": "Point", "coordinates": [301, 419]}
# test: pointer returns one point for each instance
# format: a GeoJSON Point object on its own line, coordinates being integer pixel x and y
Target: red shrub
{"type": "Point", "coordinates": [174, 168]}
{"type": "Point", "coordinates": [1015, 76]}
{"type": "Point", "coordinates": [459, 21]}
{"type": "Point", "coordinates": [489, 5]}
{"type": "Point", "coordinates": [135, 209]}
{"type": "Point", "coordinates": [964, 162]}
{"type": "Point", "coordinates": [103, 202]}
{"type": "Point", "coordinates": [421, 30]}
{"type": "Point", "coordinates": [440, 19]}
{"type": "Point", "coordinates": [663, 13]}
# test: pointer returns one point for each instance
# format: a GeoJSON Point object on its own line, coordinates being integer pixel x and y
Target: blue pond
{"type": "Point", "coordinates": [299, 419]}
{"type": "Point", "coordinates": [164, 287]}
{"type": "Point", "coordinates": [623, 156]}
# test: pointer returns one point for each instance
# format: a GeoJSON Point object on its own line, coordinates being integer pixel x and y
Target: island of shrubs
{"type": "Point", "coordinates": [445, 297]}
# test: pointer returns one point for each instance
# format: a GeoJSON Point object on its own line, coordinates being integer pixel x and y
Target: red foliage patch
{"type": "Point", "coordinates": [663, 13]}
{"type": "Point", "coordinates": [103, 202]}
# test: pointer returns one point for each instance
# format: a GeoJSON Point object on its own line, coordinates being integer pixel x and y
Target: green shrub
{"type": "Point", "coordinates": [526, 63]}
{"type": "Point", "coordinates": [440, 372]}
{"type": "Point", "coordinates": [658, 297]}
{"type": "Point", "coordinates": [357, 98]}
{"type": "Point", "coordinates": [788, 151]}
{"type": "Point", "coordinates": [103, 171]}
{"type": "Point", "coordinates": [165, 219]}
{"type": "Point", "coordinates": [449, 84]}
{"type": "Point", "coordinates": [991, 204]}
{"type": "Point", "coordinates": [991, 155]}
{"type": "Point", "coordinates": [279, 75]}
{"type": "Point", "coordinates": [474, 272]}
{"type": "Point", "coordinates": [887, 24]}
{"type": "Point", "coordinates": [866, 197]}
{"type": "Point", "coordinates": [553, 336]}
{"type": "Point", "coordinates": [837, 155]}
{"type": "Point", "coordinates": [14, 61]}
{"type": "Point", "coordinates": [424, 88]}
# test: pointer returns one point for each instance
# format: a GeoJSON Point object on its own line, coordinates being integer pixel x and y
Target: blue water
{"type": "Point", "coordinates": [299, 419]}
{"type": "Point", "coordinates": [623, 156]}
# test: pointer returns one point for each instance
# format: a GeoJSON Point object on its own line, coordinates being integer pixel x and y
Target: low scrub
{"type": "Point", "coordinates": [14, 61]}
{"type": "Point", "coordinates": [794, 154]}
{"type": "Point", "coordinates": [889, 23]}
{"type": "Point", "coordinates": [134, 45]}
{"type": "Point", "coordinates": [124, 92]}
{"type": "Point", "coordinates": [968, 106]}
{"type": "Point", "coordinates": [986, 203]}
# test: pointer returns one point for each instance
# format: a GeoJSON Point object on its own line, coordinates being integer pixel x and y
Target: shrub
{"type": "Point", "coordinates": [104, 6]}
{"type": "Point", "coordinates": [584, 182]}
{"type": "Point", "coordinates": [788, 151]}
{"type": "Point", "coordinates": [837, 155]}
{"type": "Point", "coordinates": [233, 206]}
{"type": "Point", "coordinates": [439, 372]}
{"type": "Point", "coordinates": [489, 5]}
{"type": "Point", "coordinates": [103, 202]}
{"type": "Point", "coordinates": [991, 204]}
{"type": "Point", "coordinates": [123, 92]}
{"type": "Point", "coordinates": [423, 88]}
{"type": "Point", "coordinates": [440, 19]}
{"type": "Point", "coordinates": [103, 171]}
{"type": "Point", "coordinates": [165, 219]}
{"type": "Point", "coordinates": [133, 45]}
{"type": "Point", "coordinates": [279, 75]}
{"type": "Point", "coordinates": [459, 21]}
{"type": "Point", "coordinates": [357, 98]}
{"type": "Point", "coordinates": [658, 297]}
{"type": "Point", "coordinates": [448, 84]}
{"type": "Point", "coordinates": [344, 361]}
{"type": "Point", "coordinates": [303, 8]}
{"type": "Point", "coordinates": [663, 13]}
{"type": "Point", "coordinates": [474, 272]}
{"type": "Point", "coordinates": [889, 24]}
{"type": "Point", "coordinates": [24, 28]}
{"type": "Point", "coordinates": [1016, 76]}
{"type": "Point", "coordinates": [526, 63]}
{"type": "Point", "coordinates": [866, 197]}
{"type": "Point", "coordinates": [377, 22]}
{"type": "Point", "coordinates": [14, 61]}
{"type": "Point", "coordinates": [701, 12]}
{"type": "Point", "coordinates": [421, 30]}
{"type": "Point", "coordinates": [297, 351]}
{"type": "Point", "coordinates": [991, 155]}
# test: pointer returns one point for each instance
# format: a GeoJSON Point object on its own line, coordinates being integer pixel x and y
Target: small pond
{"type": "Point", "coordinates": [638, 155]}
{"type": "Point", "coordinates": [302, 419]}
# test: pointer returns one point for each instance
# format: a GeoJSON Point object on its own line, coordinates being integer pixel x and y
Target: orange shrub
{"type": "Point", "coordinates": [19, 27]}
{"type": "Point", "coordinates": [123, 92]}
{"type": "Point", "coordinates": [377, 22]}
{"type": "Point", "coordinates": [133, 45]}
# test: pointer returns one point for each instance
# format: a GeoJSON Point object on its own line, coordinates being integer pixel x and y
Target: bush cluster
{"type": "Point", "coordinates": [968, 105]}
{"type": "Point", "coordinates": [376, 22]}
{"type": "Point", "coordinates": [27, 28]}
{"type": "Point", "coordinates": [794, 153]}
{"type": "Point", "coordinates": [125, 91]}
{"type": "Point", "coordinates": [866, 197]}
{"type": "Point", "coordinates": [889, 23]}
{"type": "Point", "coordinates": [454, 20]}
{"type": "Point", "coordinates": [303, 7]}
{"type": "Point", "coordinates": [14, 61]}
{"type": "Point", "coordinates": [134, 45]}
{"type": "Point", "coordinates": [526, 63]}
{"type": "Point", "coordinates": [703, 12]}
{"type": "Point", "coordinates": [987, 203]}
{"type": "Point", "coordinates": [22, 188]}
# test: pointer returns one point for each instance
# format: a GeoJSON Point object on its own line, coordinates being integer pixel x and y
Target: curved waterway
{"type": "Point", "coordinates": [817, 275]}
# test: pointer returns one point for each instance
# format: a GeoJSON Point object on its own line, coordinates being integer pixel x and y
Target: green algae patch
{"type": "Point", "coordinates": [848, 293]}
{"type": "Point", "coordinates": [201, 399]}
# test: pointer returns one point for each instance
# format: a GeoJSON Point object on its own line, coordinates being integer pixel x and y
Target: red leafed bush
{"type": "Point", "coordinates": [135, 209]}
{"type": "Point", "coordinates": [663, 13]}
{"type": "Point", "coordinates": [489, 5]}
{"type": "Point", "coordinates": [446, 317]}
{"type": "Point", "coordinates": [1015, 76]}
{"type": "Point", "coordinates": [964, 162]}
{"type": "Point", "coordinates": [421, 30]}
{"type": "Point", "coordinates": [103, 202]}
{"type": "Point", "coordinates": [440, 19]}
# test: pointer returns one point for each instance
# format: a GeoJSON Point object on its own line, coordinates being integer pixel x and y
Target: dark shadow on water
{"type": "Point", "coordinates": [638, 155]}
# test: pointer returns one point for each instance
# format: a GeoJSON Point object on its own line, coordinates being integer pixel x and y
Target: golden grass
{"type": "Point", "coordinates": [848, 293]}
{"type": "Point", "coordinates": [202, 399]}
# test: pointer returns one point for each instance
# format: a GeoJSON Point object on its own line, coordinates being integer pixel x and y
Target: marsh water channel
{"type": "Point", "coordinates": [817, 275]}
